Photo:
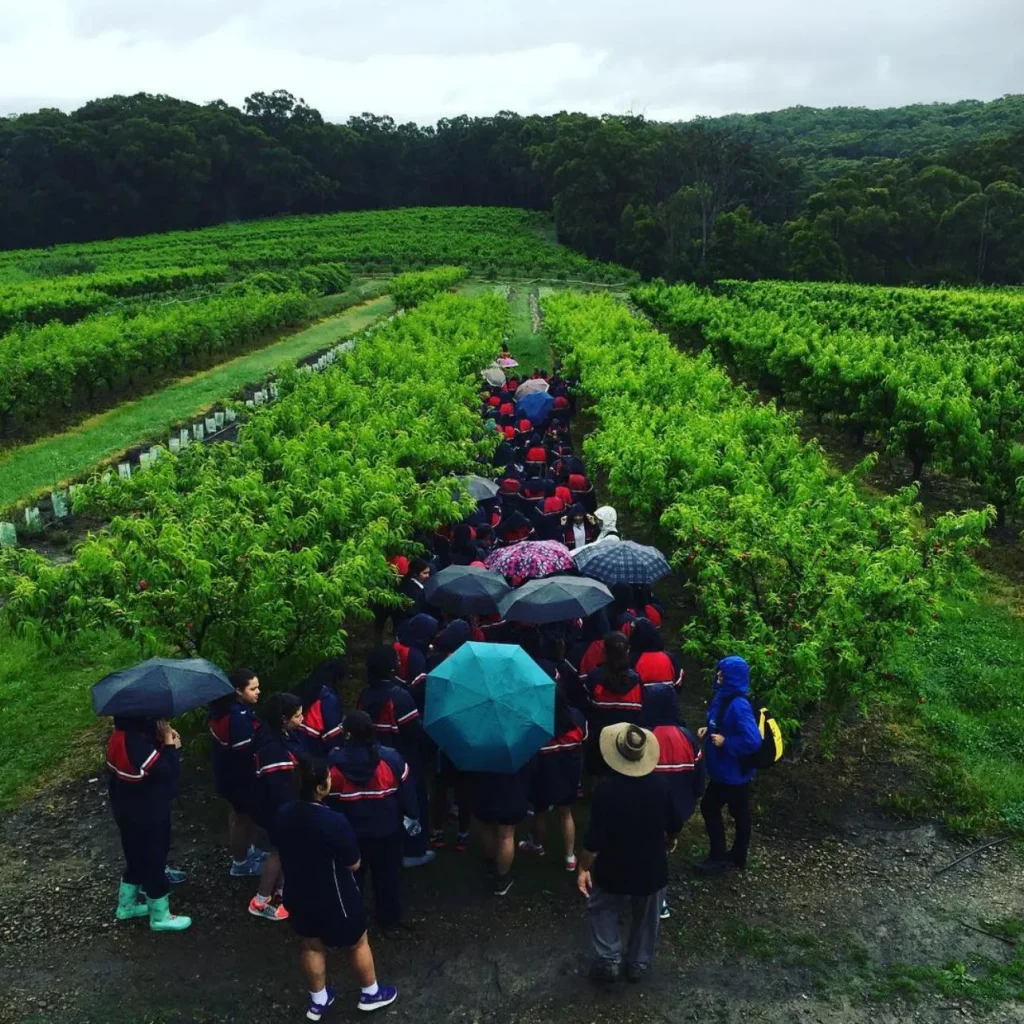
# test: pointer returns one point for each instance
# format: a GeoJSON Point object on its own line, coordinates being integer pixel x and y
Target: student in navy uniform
{"type": "Point", "coordinates": [274, 760]}
{"type": "Point", "coordinates": [412, 587]}
{"type": "Point", "coordinates": [372, 785]}
{"type": "Point", "coordinates": [320, 854]}
{"type": "Point", "coordinates": [680, 766]}
{"type": "Point", "coordinates": [500, 801]}
{"type": "Point", "coordinates": [412, 644]}
{"type": "Point", "coordinates": [397, 722]}
{"type": "Point", "coordinates": [143, 769]}
{"type": "Point", "coordinates": [322, 712]}
{"type": "Point", "coordinates": [648, 657]}
{"type": "Point", "coordinates": [555, 785]}
{"type": "Point", "coordinates": [233, 724]}
{"type": "Point", "coordinates": [616, 693]}
{"type": "Point", "coordinates": [582, 657]}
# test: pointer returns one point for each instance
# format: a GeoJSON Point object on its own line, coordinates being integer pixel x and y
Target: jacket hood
{"type": "Point", "coordinates": [735, 676]}
{"type": "Point", "coordinates": [328, 673]}
{"type": "Point", "coordinates": [661, 706]}
{"type": "Point", "coordinates": [418, 631]}
{"type": "Point", "coordinates": [645, 637]}
{"type": "Point", "coordinates": [596, 626]}
{"type": "Point", "coordinates": [607, 517]}
{"type": "Point", "coordinates": [381, 664]}
{"type": "Point", "coordinates": [357, 762]}
{"type": "Point", "coordinates": [453, 636]}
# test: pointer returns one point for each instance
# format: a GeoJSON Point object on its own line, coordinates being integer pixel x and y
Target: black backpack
{"type": "Point", "coordinates": [771, 748]}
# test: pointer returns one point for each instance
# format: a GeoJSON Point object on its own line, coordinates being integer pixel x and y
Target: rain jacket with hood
{"type": "Point", "coordinates": [608, 519]}
{"type": "Point", "coordinates": [648, 657]}
{"type": "Point", "coordinates": [373, 787]}
{"type": "Point", "coordinates": [393, 711]}
{"type": "Point", "coordinates": [322, 712]}
{"type": "Point", "coordinates": [412, 642]}
{"type": "Point", "coordinates": [738, 725]}
{"type": "Point", "coordinates": [448, 641]}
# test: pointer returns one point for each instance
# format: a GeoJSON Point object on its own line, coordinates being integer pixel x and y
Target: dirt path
{"type": "Point", "coordinates": [835, 894]}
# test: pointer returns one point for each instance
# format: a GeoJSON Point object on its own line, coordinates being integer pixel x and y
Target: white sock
{"type": "Point", "coordinates": [371, 990]}
{"type": "Point", "coordinates": [319, 998]}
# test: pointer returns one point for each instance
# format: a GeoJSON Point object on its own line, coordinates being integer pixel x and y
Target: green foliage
{"type": "Point", "coordinates": [935, 375]}
{"type": "Point", "coordinates": [262, 550]}
{"type": "Point", "coordinates": [788, 565]}
{"type": "Point", "coordinates": [409, 290]}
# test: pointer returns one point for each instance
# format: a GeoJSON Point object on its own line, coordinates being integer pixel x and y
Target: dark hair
{"type": "Point", "coordinates": [416, 566]}
{"type": "Point", "coordinates": [616, 662]}
{"type": "Point", "coordinates": [360, 731]}
{"type": "Point", "coordinates": [312, 773]}
{"type": "Point", "coordinates": [331, 672]}
{"type": "Point", "coordinates": [278, 709]}
{"type": "Point", "coordinates": [381, 663]}
{"type": "Point", "coordinates": [240, 677]}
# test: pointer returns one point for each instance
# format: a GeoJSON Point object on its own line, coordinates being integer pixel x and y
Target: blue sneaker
{"type": "Point", "coordinates": [174, 877]}
{"type": "Point", "coordinates": [418, 862]}
{"type": "Point", "coordinates": [316, 1011]}
{"type": "Point", "coordinates": [255, 853]}
{"type": "Point", "coordinates": [246, 868]}
{"type": "Point", "coordinates": [386, 995]}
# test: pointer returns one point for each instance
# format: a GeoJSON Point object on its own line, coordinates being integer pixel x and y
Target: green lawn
{"type": "Point", "coordinates": [45, 710]}
{"type": "Point", "coordinates": [45, 464]}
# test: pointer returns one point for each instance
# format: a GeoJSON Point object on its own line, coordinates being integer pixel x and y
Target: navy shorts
{"type": "Point", "coordinates": [341, 933]}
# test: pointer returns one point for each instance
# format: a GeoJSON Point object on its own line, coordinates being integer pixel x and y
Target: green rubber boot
{"type": "Point", "coordinates": [128, 904]}
{"type": "Point", "coordinates": [162, 920]}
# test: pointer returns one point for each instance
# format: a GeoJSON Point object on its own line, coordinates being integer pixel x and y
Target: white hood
{"type": "Point", "coordinates": [608, 518]}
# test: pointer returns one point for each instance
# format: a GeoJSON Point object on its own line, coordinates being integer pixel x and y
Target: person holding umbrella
{"type": "Point", "coordinates": [233, 725]}
{"type": "Point", "coordinates": [320, 853]}
{"type": "Point", "coordinates": [143, 768]}
{"type": "Point", "coordinates": [274, 760]}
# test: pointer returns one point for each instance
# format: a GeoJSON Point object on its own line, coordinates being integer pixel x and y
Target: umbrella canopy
{"type": "Point", "coordinates": [533, 386]}
{"type": "Point", "coordinates": [160, 688]}
{"type": "Point", "coordinates": [530, 559]}
{"type": "Point", "coordinates": [536, 406]}
{"type": "Point", "coordinates": [625, 562]}
{"type": "Point", "coordinates": [557, 599]}
{"type": "Point", "coordinates": [494, 376]}
{"type": "Point", "coordinates": [466, 590]}
{"type": "Point", "coordinates": [478, 487]}
{"type": "Point", "coordinates": [490, 707]}
{"type": "Point", "coordinates": [506, 361]}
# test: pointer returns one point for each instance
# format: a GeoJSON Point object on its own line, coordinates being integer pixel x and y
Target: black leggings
{"type": "Point", "coordinates": [145, 844]}
{"type": "Point", "coordinates": [737, 799]}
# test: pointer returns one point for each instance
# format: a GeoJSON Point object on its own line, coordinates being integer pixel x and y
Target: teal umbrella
{"type": "Point", "coordinates": [490, 707]}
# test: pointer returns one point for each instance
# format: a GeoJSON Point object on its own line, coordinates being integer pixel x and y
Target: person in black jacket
{"type": "Point", "coordinates": [633, 826]}
{"type": "Point", "coordinates": [397, 722]}
{"type": "Point", "coordinates": [143, 769]}
{"type": "Point", "coordinates": [274, 760]}
{"type": "Point", "coordinates": [412, 587]}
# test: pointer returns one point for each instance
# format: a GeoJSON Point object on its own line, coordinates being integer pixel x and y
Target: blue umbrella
{"type": "Point", "coordinates": [160, 688]}
{"type": "Point", "coordinates": [536, 407]}
{"type": "Point", "coordinates": [490, 707]}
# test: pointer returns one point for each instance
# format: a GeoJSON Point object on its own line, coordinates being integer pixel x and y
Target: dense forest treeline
{"type": "Point", "coordinates": [920, 194]}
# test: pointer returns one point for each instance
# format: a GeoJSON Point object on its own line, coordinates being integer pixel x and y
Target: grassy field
{"type": "Point", "coordinates": [44, 464]}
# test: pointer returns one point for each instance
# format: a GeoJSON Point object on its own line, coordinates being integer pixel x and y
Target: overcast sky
{"type": "Point", "coordinates": [423, 60]}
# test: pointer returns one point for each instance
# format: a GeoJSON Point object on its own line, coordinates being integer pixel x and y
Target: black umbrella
{"type": "Point", "coordinates": [160, 688]}
{"type": "Point", "coordinates": [479, 487]}
{"type": "Point", "coordinates": [622, 562]}
{"type": "Point", "coordinates": [556, 599]}
{"type": "Point", "coordinates": [466, 590]}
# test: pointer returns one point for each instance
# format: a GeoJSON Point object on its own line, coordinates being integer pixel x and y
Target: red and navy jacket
{"type": "Point", "coordinates": [657, 667]}
{"type": "Point", "coordinates": [274, 761]}
{"type": "Point", "coordinates": [569, 537]}
{"type": "Point", "coordinates": [559, 768]}
{"type": "Point", "coordinates": [680, 767]}
{"type": "Point", "coordinates": [320, 731]}
{"type": "Point", "coordinates": [608, 707]}
{"type": "Point", "coordinates": [396, 718]}
{"type": "Point", "coordinates": [142, 772]}
{"type": "Point", "coordinates": [537, 453]}
{"type": "Point", "coordinates": [233, 732]}
{"type": "Point", "coordinates": [373, 788]}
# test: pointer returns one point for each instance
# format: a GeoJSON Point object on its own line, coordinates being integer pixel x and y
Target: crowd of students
{"type": "Point", "coordinates": [349, 798]}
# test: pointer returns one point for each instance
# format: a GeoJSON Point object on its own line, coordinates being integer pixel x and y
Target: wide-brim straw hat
{"type": "Point", "coordinates": [630, 750]}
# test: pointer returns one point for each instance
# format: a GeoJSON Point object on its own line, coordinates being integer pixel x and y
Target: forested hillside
{"type": "Point", "coordinates": [914, 195]}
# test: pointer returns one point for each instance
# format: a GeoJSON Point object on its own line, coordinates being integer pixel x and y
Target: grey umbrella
{"type": "Point", "coordinates": [555, 599]}
{"type": "Point", "coordinates": [479, 487]}
{"type": "Point", "coordinates": [466, 590]}
{"type": "Point", "coordinates": [160, 688]}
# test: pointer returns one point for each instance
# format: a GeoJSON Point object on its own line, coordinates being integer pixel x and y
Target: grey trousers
{"type": "Point", "coordinates": [603, 913]}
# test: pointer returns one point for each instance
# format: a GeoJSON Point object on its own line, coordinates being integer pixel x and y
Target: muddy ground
{"type": "Point", "coordinates": [836, 892]}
